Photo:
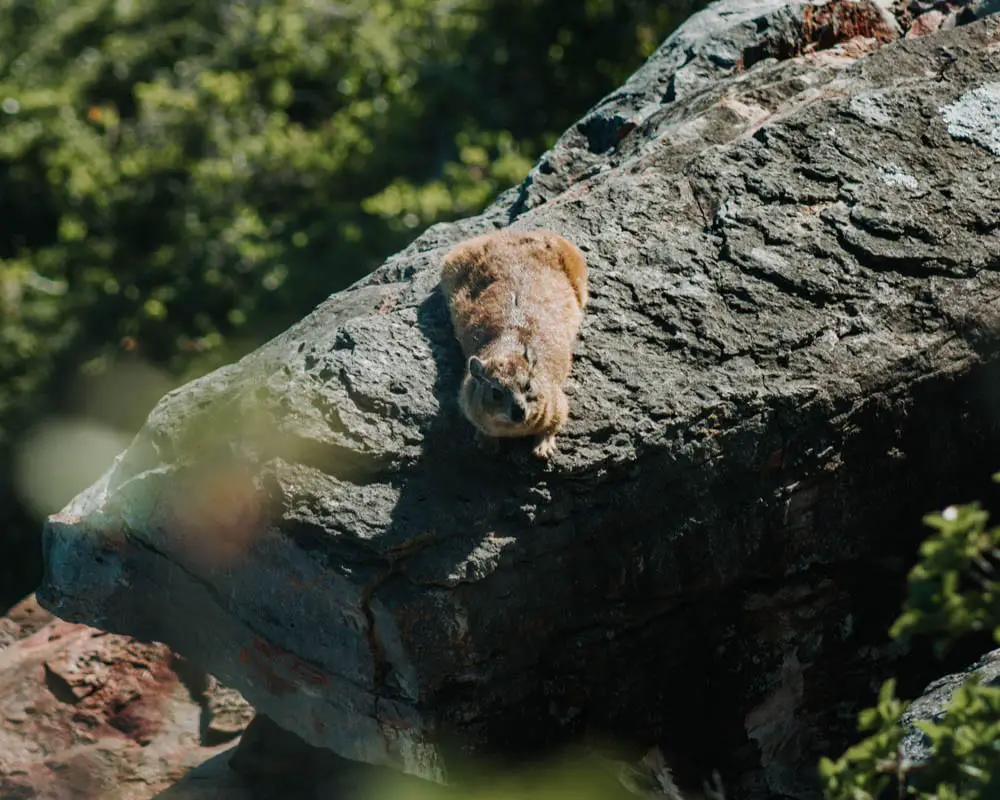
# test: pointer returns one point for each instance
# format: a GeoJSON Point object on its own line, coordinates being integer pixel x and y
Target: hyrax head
{"type": "Point", "coordinates": [502, 391]}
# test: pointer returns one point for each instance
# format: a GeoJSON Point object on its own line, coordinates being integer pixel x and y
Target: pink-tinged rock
{"type": "Point", "coordinates": [927, 23]}
{"type": "Point", "coordinates": [23, 620]}
{"type": "Point", "coordinates": [86, 714]}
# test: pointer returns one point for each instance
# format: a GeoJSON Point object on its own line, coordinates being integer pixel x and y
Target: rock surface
{"type": "Point", "coordinates": [791, 218]}
{"type": "Point", "coordinates": [86, 714]}
{"type": "Point", "coordinates": [931, 705]}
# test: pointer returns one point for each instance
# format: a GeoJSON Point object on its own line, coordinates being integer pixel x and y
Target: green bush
{"type": "Point", "coordinates": [954, 590]}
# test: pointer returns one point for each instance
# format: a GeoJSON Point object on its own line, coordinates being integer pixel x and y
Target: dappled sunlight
{"type": "Point", "coordinates": [65, 453]}
{"type": "Point", "coordinates": [215, 515]}
{"type": "Point", "coordinates": [60, 458]}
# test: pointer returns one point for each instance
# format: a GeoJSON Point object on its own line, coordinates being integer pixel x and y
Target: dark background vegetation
{"type": "Point", "coordinates": [180, 180]}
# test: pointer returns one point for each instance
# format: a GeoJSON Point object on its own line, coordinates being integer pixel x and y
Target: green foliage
{"type": "Point", "coordinates": [866, 769]}
{"type": "Point", "coordinates": [180, 180]}
{"type": "Point", "coordinates": [953, 591]}
{"type": "Point", "coordinates": [966, 746]}
{"type": "Point", "coordinates": [191, 165]}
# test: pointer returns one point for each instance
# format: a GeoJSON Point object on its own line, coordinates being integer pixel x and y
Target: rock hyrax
{"type": "Point", "coordinates": [516, 301]}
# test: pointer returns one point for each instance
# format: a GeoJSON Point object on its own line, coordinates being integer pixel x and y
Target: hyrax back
{"type": "Point", "coordinates": [516, 300]}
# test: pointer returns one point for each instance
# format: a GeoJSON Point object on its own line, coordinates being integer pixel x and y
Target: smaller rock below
{"type": "Point", "coordinates": [229, 713]}
{"type": "Point", "coordinates": [23, 620]}
{"type": "Point", "coordinates": [87, 713]}
{"type": "Point", "coordinates": [927, 23]}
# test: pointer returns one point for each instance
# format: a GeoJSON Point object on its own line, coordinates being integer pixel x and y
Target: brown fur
{"type": "Point", "coordinates": [516, 301]}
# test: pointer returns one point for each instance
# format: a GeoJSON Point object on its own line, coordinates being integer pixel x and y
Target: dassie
{"type": "Point", "coordinates": [516, 300]}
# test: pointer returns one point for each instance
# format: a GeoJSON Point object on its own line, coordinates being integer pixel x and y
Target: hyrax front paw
{"type": "Point", "coordinates": [545, 447]}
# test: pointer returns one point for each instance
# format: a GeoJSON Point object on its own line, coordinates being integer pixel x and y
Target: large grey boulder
{"type": "Point", "coordinates": [793, 228]}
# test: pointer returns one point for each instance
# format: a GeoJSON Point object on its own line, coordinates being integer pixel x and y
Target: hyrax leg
{"type": "Point", "coordinates": [545, 446]}
{"type": "Point", "coordinates": [545, 442]}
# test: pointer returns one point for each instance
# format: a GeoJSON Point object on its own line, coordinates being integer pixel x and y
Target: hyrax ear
{"type": "Point", "coordinates": [477, 369]}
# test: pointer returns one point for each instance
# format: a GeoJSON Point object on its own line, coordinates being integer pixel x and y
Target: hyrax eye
{"type": "Point", "coordinates": [496, 395]}
{"type": "Point", "coordinates": [517, 413]}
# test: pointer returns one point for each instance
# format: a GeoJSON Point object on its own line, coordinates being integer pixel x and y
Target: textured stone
{"type": "Point", "coordinates": [87, 714]}
{"type": "Point", "coordinates": [791, 353]}
{"type": "Point", "coordinates": [975, 117]}
{"type": "Point", "coordinates": [932, 703]}
{"type": "Point", "coordinates": [23, 620]}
